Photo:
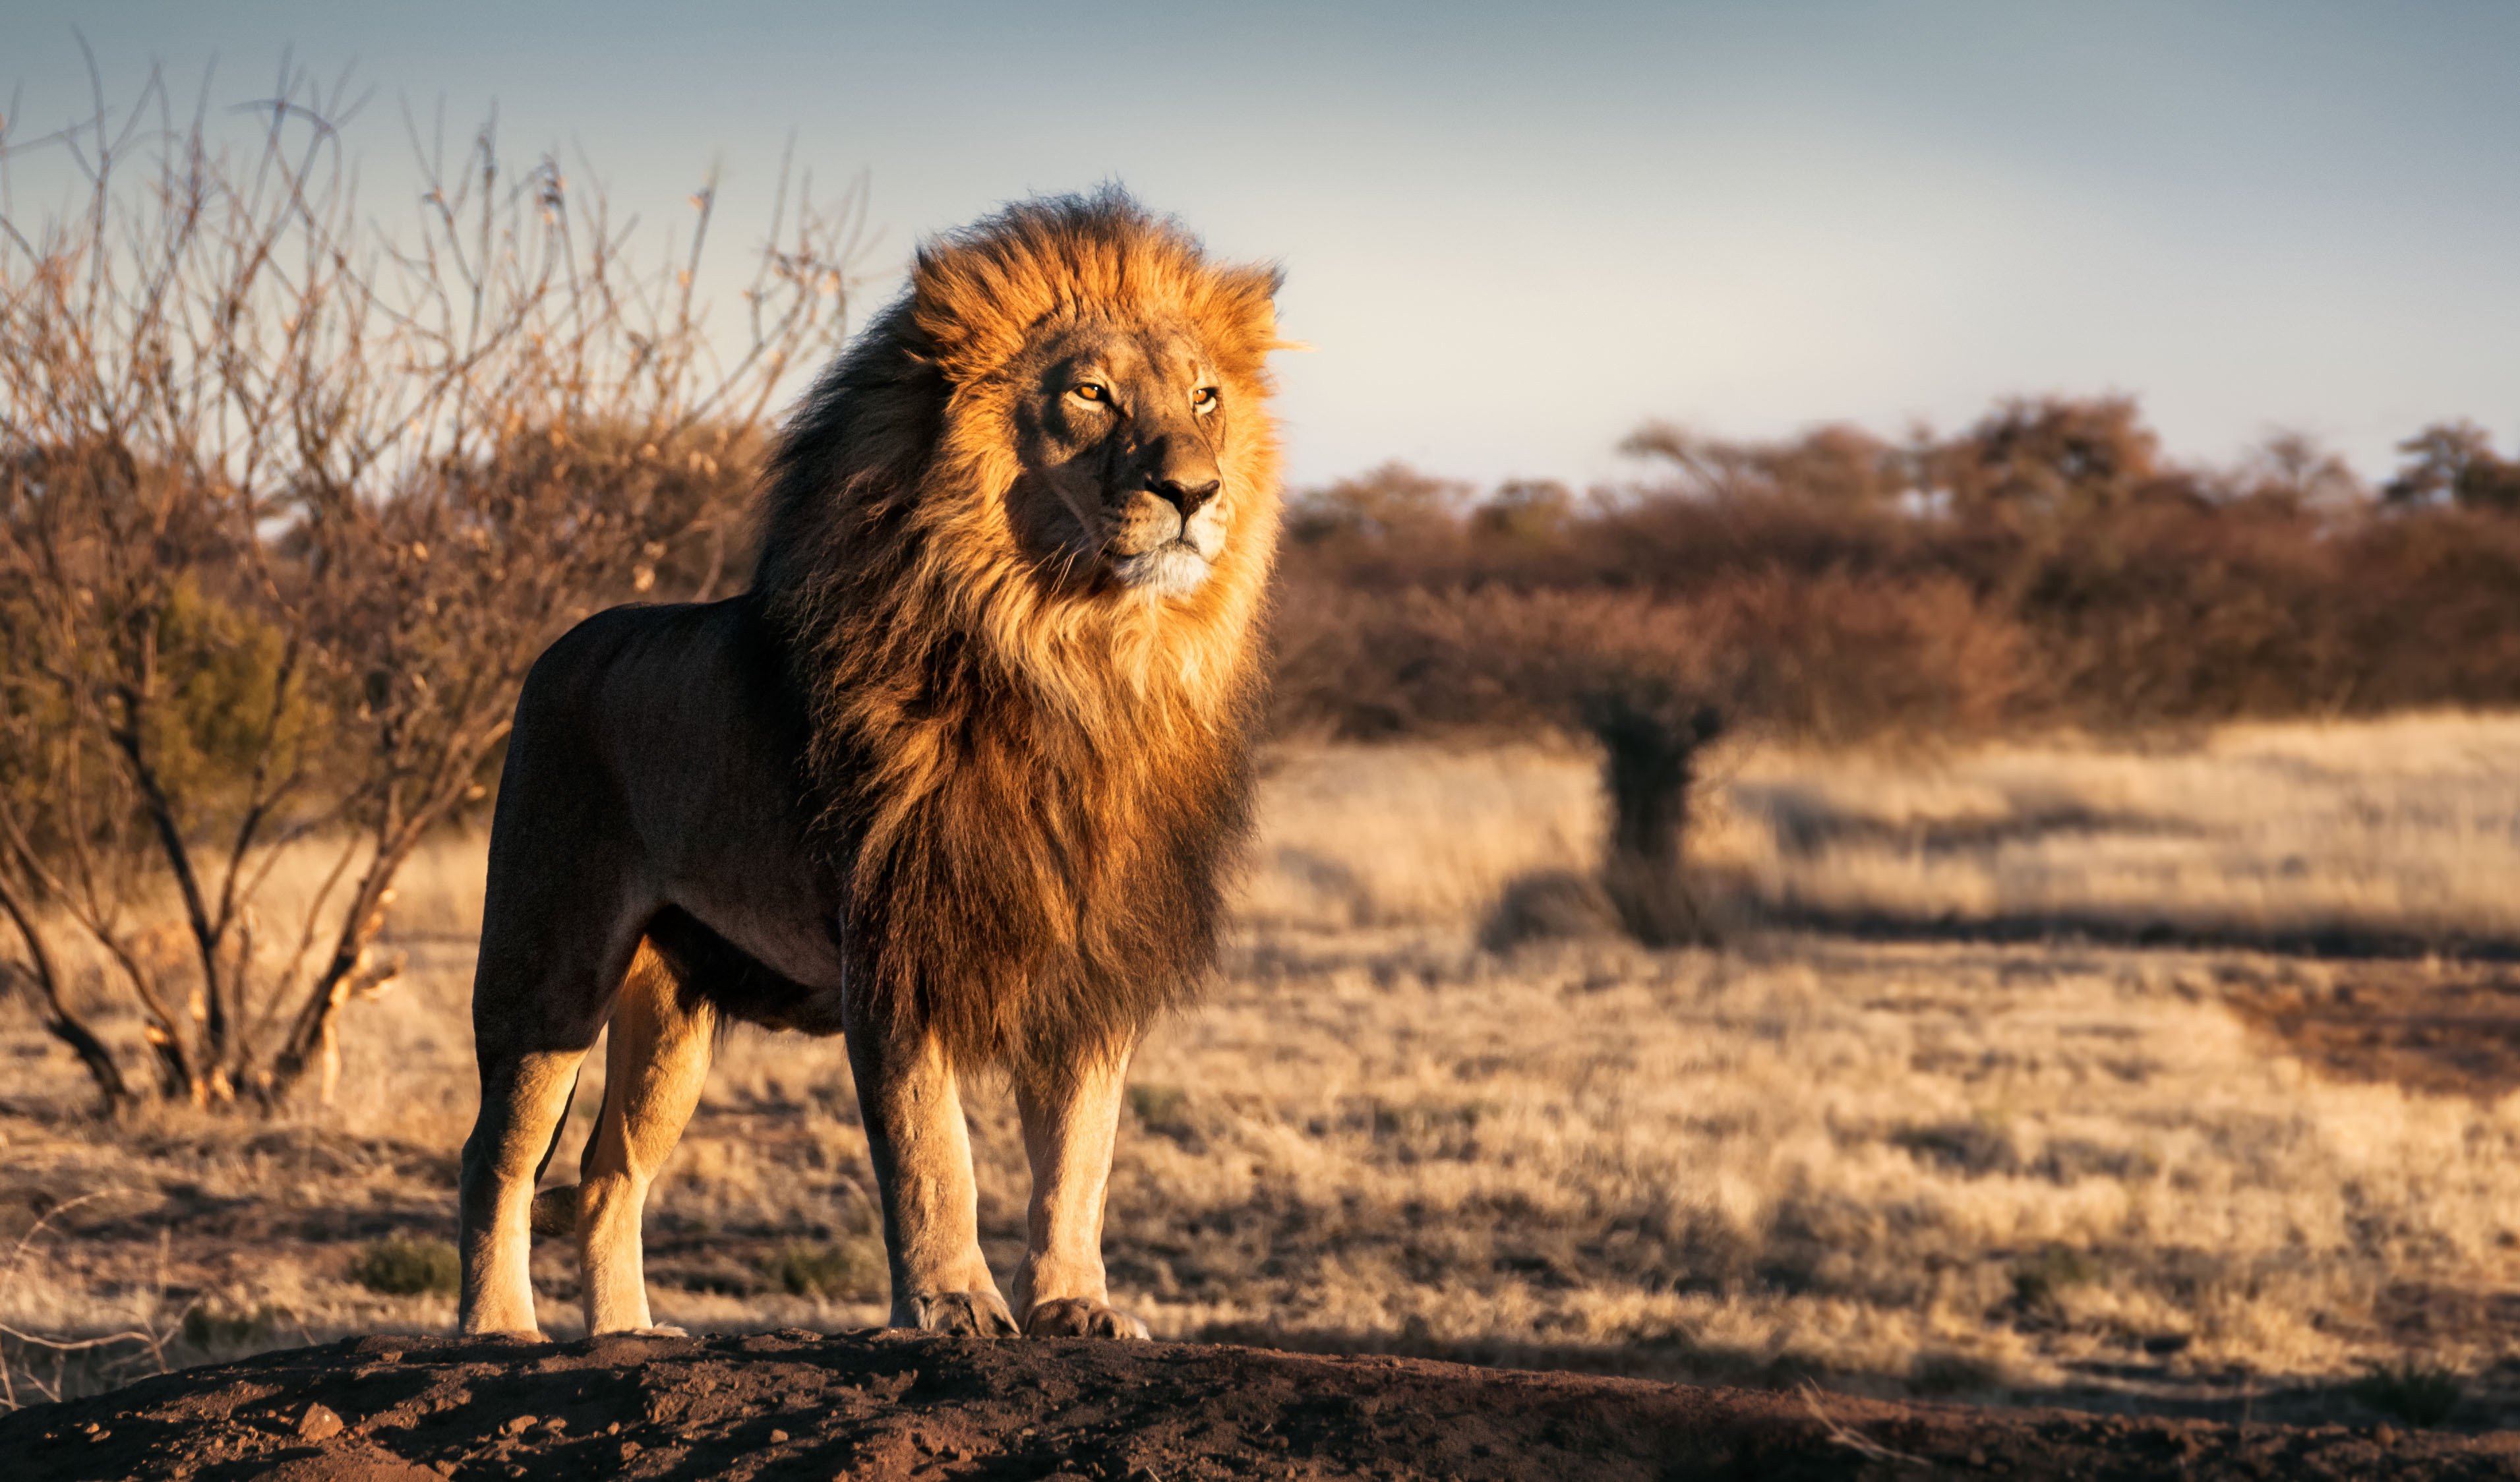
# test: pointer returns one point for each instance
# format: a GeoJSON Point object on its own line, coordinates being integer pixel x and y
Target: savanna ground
{"type": "Point", "coordinates": [2233, 1143]}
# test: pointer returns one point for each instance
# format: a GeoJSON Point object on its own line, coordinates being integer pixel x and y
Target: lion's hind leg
{"type": "Point", "coordinates": [524, 1098]}
{"type": "Point", "coordinates": [656, 1061]}
{"type": "Point", "coordinates": [551, 962]}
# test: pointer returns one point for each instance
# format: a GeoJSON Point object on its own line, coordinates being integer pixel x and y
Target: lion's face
{"type": "Point", "coordinates": [1122, 433]}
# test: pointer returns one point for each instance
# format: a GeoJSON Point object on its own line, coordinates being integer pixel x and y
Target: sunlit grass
{"type": "Point", "coordinates": [1928, 1168]}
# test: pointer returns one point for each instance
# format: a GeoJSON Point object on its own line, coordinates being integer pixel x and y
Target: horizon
{"type": "Point", "coordinates": [1510, 240]}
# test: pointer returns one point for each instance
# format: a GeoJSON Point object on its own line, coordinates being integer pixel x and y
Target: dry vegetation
{"type": "Point", "coordinates": [289, 502]}
{"type": "Point", "coordinates": [2047, 564]}
{"type": "Point", "coordinates": [2096, 1171]}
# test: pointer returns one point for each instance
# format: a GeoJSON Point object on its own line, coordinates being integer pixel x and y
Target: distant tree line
{"type": "Point", "coordinates": [2044, 566]}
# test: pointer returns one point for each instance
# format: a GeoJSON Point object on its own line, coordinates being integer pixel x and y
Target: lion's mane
{"type": "Point", "coordinates": [1029, 777]}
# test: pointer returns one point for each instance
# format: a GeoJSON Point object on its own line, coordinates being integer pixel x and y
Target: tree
{"type": "Point", "coordinates": [2039, 458]}
{"type": "Point", "coordinates": [2291, 473]}
{"type": "Point", "coordinates": [2455, 463]}
{"type": "Point", "coordinates": [1525, 512]}
{"type": "Point", "coordinates": [1835, 465]}
{"type": "Point", "coordinates": [1391, 505]}
{"type": "Point", "coordinates": [288, 504]}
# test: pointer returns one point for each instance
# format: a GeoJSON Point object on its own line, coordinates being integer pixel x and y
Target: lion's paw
{"type": "Point", "coordinates": [975, 1314]}
{"type": "Point", "coordinates": [506, 1335]}
{"type": "Point", "coordinates": [1081, 1318]}
{"type": "Point", "coordinates": [653, 1331]}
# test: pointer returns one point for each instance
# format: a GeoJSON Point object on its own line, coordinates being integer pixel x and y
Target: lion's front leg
{"type": "Point", "coordinates": [922, 1151]}
{"type": "Point", "coordinates": [1071, 1116]}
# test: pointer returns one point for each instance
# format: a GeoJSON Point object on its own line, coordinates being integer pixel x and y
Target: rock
{"type": "Point", "coordinates": [319, 1423]}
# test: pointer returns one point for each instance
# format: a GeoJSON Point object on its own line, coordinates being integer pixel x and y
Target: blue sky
{"type": "Point", "coordinates": [1514, 233]}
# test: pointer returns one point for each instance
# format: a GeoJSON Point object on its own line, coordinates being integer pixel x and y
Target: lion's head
{"type": "Point", "coordinates": [1121, 430]}
{"type": "Point", "coordinates": [1108, 379]}
{"type": "Point", "coordinates": [1071, 398]}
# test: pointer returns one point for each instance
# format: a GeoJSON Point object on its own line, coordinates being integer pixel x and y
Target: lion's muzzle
{"type": "Point", "coordinates": [1169, 537]}
{"type": "Point", "coordinates": [1187, 498]}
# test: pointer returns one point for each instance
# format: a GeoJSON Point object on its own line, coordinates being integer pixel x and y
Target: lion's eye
{"type": "Point", "coordinates": [1203, 399]}
{"type": "Point", "coordinates": [1087, 390]}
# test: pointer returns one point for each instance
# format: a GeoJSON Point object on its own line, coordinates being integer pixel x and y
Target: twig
{"type": "Point", "coordinates": [9, 1279]}
{"type": "Point", "coordinates": [9, 1274]}
{"type": "Point", "coordinates": [1854, 1441]}
{"type": "Point", "coordinates": [73, 1345]}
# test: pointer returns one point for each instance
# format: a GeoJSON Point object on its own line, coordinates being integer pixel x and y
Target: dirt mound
{"type": "Point", "coordinates": [888, 1406]}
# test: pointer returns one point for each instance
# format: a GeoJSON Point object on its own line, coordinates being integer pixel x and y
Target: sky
{"type": "Point", "coordinates": [1511, 234]}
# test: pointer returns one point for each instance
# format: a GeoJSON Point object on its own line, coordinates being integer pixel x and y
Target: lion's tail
{"type": "Point", "coordinates": [556, 1211]}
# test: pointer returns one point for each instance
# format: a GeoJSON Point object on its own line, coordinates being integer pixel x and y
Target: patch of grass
{"type": "Point", "coordinates": [2040, 1281]}
{"type": "Point", "coordinates": [2418, 1393]}
{"type": "Point", "coordinates": [1429, 1129]}
{"type": "Point", "coordinates": [211, 1327]}
{"type": "Point", "coordinates": [1160, 1108]}
{"type": "Point", "coordinates": [1866, 1156]}
{"type": "Point", "coordinates": [399, 1266]}
{"type": "Point", "coordinates": [1975, 1148]}
{"type": "Point", "coordinates": [847, 1270]}
{"type": "Point", "coordinates": [1951, 1373]}
{"type": "Point", "coordinates": [1418, 1119]}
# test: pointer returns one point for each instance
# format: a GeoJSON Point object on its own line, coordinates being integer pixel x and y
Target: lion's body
{"type": "Point", "coordinates": [955, 777]}
{"type": "Point", "coordinates": [657, 765]}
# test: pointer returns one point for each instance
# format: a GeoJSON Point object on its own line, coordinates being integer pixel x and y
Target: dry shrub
{"type": "Point", "coordinates": [2410, 1390]}
{"type": "Point", "coordinates": [288, 503]}
{"type": "Point", "coordinates": [847, 1270]}
{"type": "Point", "coordinates": [2424, 606]}
{"type": "Point", "coordinates": [407, 1268]}
{"type": "Point", "coordinates": [1836, 655]}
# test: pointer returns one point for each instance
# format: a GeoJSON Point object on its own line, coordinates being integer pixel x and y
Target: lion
{"type": "Point", "coordinates": [954, 778]}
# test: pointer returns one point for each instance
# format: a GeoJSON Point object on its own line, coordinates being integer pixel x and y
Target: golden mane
{"type": "Point", "coordinates": [1029, 776]}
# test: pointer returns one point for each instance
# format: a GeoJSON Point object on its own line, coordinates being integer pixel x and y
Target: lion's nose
{"type": "Point", "coordinates": [1187, 497]}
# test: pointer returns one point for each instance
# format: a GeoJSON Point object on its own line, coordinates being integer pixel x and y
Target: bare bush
{"type": "Point", "coordinates": [288, 501]}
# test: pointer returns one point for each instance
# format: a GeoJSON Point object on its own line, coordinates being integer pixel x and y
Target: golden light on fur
{"type": "Point", "coordinates": [955, 777]}
{"type": "Point", "coordinates": [1031, 767]}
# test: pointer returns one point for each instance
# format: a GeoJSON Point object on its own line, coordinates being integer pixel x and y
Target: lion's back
{"type": "Point", "coordinates": [668, 732]}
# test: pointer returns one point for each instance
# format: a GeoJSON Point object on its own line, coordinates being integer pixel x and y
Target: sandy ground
{"type": "Point", "coordinates": [902, 1408]}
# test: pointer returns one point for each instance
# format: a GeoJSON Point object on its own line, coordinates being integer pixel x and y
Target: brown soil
{"type": "Point", "coordinates": [894, 1406]}
{"type": "Point", "coordinates": [2444, 1027]}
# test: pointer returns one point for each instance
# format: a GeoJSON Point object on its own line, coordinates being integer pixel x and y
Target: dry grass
{"type": "Point", "coordinates": [2408, 826]}
{"type": "Point", "coordinates": [2026, 1169]}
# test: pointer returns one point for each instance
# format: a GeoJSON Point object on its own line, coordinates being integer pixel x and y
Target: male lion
{"type": "Point", "coordinates": [954, 778]}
